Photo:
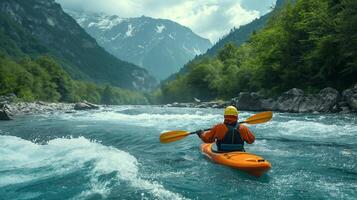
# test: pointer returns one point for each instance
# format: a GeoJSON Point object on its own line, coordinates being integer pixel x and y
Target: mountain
{"type": "Point", "coordinates": [237, 36]}
{"type": "Point", "coordinates": [161, 46]}
{"type": "Point", "coordinates": [240, 35]}
{"type": "Point", "coordinates": [37, 27]}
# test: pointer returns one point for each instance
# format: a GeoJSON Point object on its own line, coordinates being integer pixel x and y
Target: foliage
{"type": "Point", "coordinates": [44, 79]}
{"type": "Point", "coordinates": [25, 31]}
{"type": "Point", "coordinates": [310, 44]}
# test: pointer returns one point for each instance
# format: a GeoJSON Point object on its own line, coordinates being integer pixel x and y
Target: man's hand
{"type": "Point", "coordinates": [200, 132]}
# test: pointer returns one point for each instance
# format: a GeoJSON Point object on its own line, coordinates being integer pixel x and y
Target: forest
{"type": "Point", "coordinates": [44, 79]}
{"type": "Point", "coordinates": [309, 44]}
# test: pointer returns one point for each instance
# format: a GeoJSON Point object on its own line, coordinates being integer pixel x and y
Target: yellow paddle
{"type": "Point", "coordinates": [173, 136]}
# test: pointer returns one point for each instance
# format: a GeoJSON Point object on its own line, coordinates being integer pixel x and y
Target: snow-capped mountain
{"type": "Point", "coordinates": [158, 45]}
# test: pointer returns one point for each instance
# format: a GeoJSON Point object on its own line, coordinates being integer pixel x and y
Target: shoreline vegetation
{"type": "Point", "coordinates": [43, 79]}
{"type": "Point", "coordinates": [309, 44]}
{"type": "Point", "coordinates": [328, 100]}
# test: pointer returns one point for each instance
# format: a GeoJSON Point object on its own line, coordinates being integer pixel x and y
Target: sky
{"type": "Point", "coordinates": [211, 19]}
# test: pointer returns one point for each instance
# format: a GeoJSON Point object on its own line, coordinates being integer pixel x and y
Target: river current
{"type": "Point", "coordinates": [115, 153]}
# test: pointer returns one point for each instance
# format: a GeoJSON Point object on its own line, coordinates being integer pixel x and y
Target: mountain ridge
{"type": "Point", "coordinates": [53, 32]}
{"type": "Point", "coordinates": [159, 45]}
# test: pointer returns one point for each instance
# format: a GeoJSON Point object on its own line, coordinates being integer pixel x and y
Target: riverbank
{"type": "Point", "coordinates": [10, 110]}
{"type": "Point", "coordinates": [327, 100]}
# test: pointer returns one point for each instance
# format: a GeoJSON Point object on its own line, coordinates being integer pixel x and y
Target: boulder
{"type": "Point", "coordinates": [345, 109]}
{"type": "Point", "coordinates": [4, 113]}
{"type": "Point", "coordinates": [350, 96]}
{"type": "Point", "coordinates": [253, 102]}
{"type": "Point", "coordinates": [85, 106]}
{"type": "Point", "coordinates": [329, 97]}
{"type": "Point", "coordinates": [269, 104]}
{"type": "Point", "coordinates": [290, 101]}
{"type": "Point", "coordinates": [294, 100]}
{"type": "Point", "coordinates": [7, 98]}
{"type": "Point", "coordinates": [309, 103]}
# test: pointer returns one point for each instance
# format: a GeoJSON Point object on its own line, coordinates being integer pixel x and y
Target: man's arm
{"type": "Point", "coordinates": [217, 131]}
{"type": "Point", "coordinates": [246, 134]}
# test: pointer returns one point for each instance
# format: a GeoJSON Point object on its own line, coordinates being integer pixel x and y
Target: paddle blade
{"type": "Point", "coordinates": [259, 118]}
{"type": "Point", "coordinates": [173, 136]}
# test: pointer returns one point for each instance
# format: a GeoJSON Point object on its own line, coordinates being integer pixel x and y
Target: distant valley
{"type": "Point", "coordinates": [160, 46]}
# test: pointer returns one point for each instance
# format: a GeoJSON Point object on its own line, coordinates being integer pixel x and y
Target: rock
{"type": "Point", "coordinates": [294, 100]}
{"type": "Point", "coordinates": [85, 106]}
{"type": "Point", "coordinates": [250, 101]}
{"type": "Point", "coordinates": [345, 109]}
{"type": "Point", "coordinates": [181, 105]}
{"type": "Point", "coordinates": [269, 104]}
{"type": "Point", "coordinates": [329, 98]}
{"type": "Point", "coordinates": [290, 101]}
{"type": "Point", "coordinates": [4, 115]}
{"type": "Point", "coordinates": [197, 100]}
{"type": "Point", "coordinates": [70, 112]}
{"type": "Point", "coordinates": [7, 98]}
{"type": "Point", "coordinates": [93, 106]}
{"type": "Point", "coordinates": [81, 106]}
{"type": "Point", "coordinates": [350, 96]}
{"type": "Point", "coordinates": [41, 103]}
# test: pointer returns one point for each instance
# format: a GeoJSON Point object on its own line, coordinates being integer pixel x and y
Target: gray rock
{"type": "Point", "coordinates": [81, 106]}
{"type": "Point", "coordinates": [350, 96]}
{"type": "Point", "coordinates": [85, 106]}
{"type": "Point", "coordinates": [7, 98]}
{"type": "Point", "coordinates": [269, 104]}
{"type": "Point", "coordinates": [309, 103]}
{"type": "Point", "coordinates": [91, 105]}
{"type": "Point", "coordinates": [290, 101]}
{"type": "Point", "coordinates": [294, 100]}
{"type": "Point", "coordinates": [345, 109]}
{"type": "Point", "coordinates": [197, 100]}
{"type": "Point", "coordinates": [5, 115]}
{"type": "Point", "coordinates": [329, 97]}
{"type": "Point", "coordinates": [251, 101]}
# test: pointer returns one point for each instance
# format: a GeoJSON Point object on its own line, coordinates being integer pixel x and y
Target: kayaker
{"type": "Point", "coordinates": [229, 135]}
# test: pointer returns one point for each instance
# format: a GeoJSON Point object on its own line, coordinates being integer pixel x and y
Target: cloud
{"type": "Point", "coordinates": [211, 19]}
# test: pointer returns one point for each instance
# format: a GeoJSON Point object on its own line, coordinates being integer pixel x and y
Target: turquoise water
{"type": "Point", "coordinates": [115, 153]}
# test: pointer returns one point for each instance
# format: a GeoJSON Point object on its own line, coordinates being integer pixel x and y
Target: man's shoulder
{"type": "Point", "coordinates": [219, 126]}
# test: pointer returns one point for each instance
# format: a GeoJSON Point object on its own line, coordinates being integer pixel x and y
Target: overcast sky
{"type": "Point", "coordinates": [211, 19]}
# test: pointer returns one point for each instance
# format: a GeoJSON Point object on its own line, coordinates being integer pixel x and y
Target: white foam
{"type": "Point", "coordinates": [65, 155]}
{"type": "Point", "coordinates": [310, 129]}
{"type": "Point", "coordinates": [162, 121]}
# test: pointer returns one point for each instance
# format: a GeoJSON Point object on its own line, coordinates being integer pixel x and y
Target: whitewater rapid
{"type": "Point", "coordinates": [115, 153]}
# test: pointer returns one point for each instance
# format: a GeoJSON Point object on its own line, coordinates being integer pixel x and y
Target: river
{"type": "Point", "coordinates": [115, 153]}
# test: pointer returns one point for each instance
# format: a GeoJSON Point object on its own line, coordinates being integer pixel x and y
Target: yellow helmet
{"type": "Point", "coordinates": [231, 110]}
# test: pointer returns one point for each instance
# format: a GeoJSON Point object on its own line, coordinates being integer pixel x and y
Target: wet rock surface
{"type": "Point", "coordinates": [327, 100]}
{"type": "Point", "coordinates": [85, 106]}
{"type": "Point", "coordinates": [11, 110]}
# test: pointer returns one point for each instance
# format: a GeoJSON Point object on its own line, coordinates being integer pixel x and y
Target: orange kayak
{"type": "Point", "coordinates": [247, 162]}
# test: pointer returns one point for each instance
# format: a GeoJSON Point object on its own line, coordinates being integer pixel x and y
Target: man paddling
{"type": "Point", "coordinates": [229, 135]}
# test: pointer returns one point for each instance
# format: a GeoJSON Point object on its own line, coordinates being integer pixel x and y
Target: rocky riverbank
{"type": "Point", "coordinates": [10, 109]}
{"type": "Point", "coordinates": [328, 100]}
